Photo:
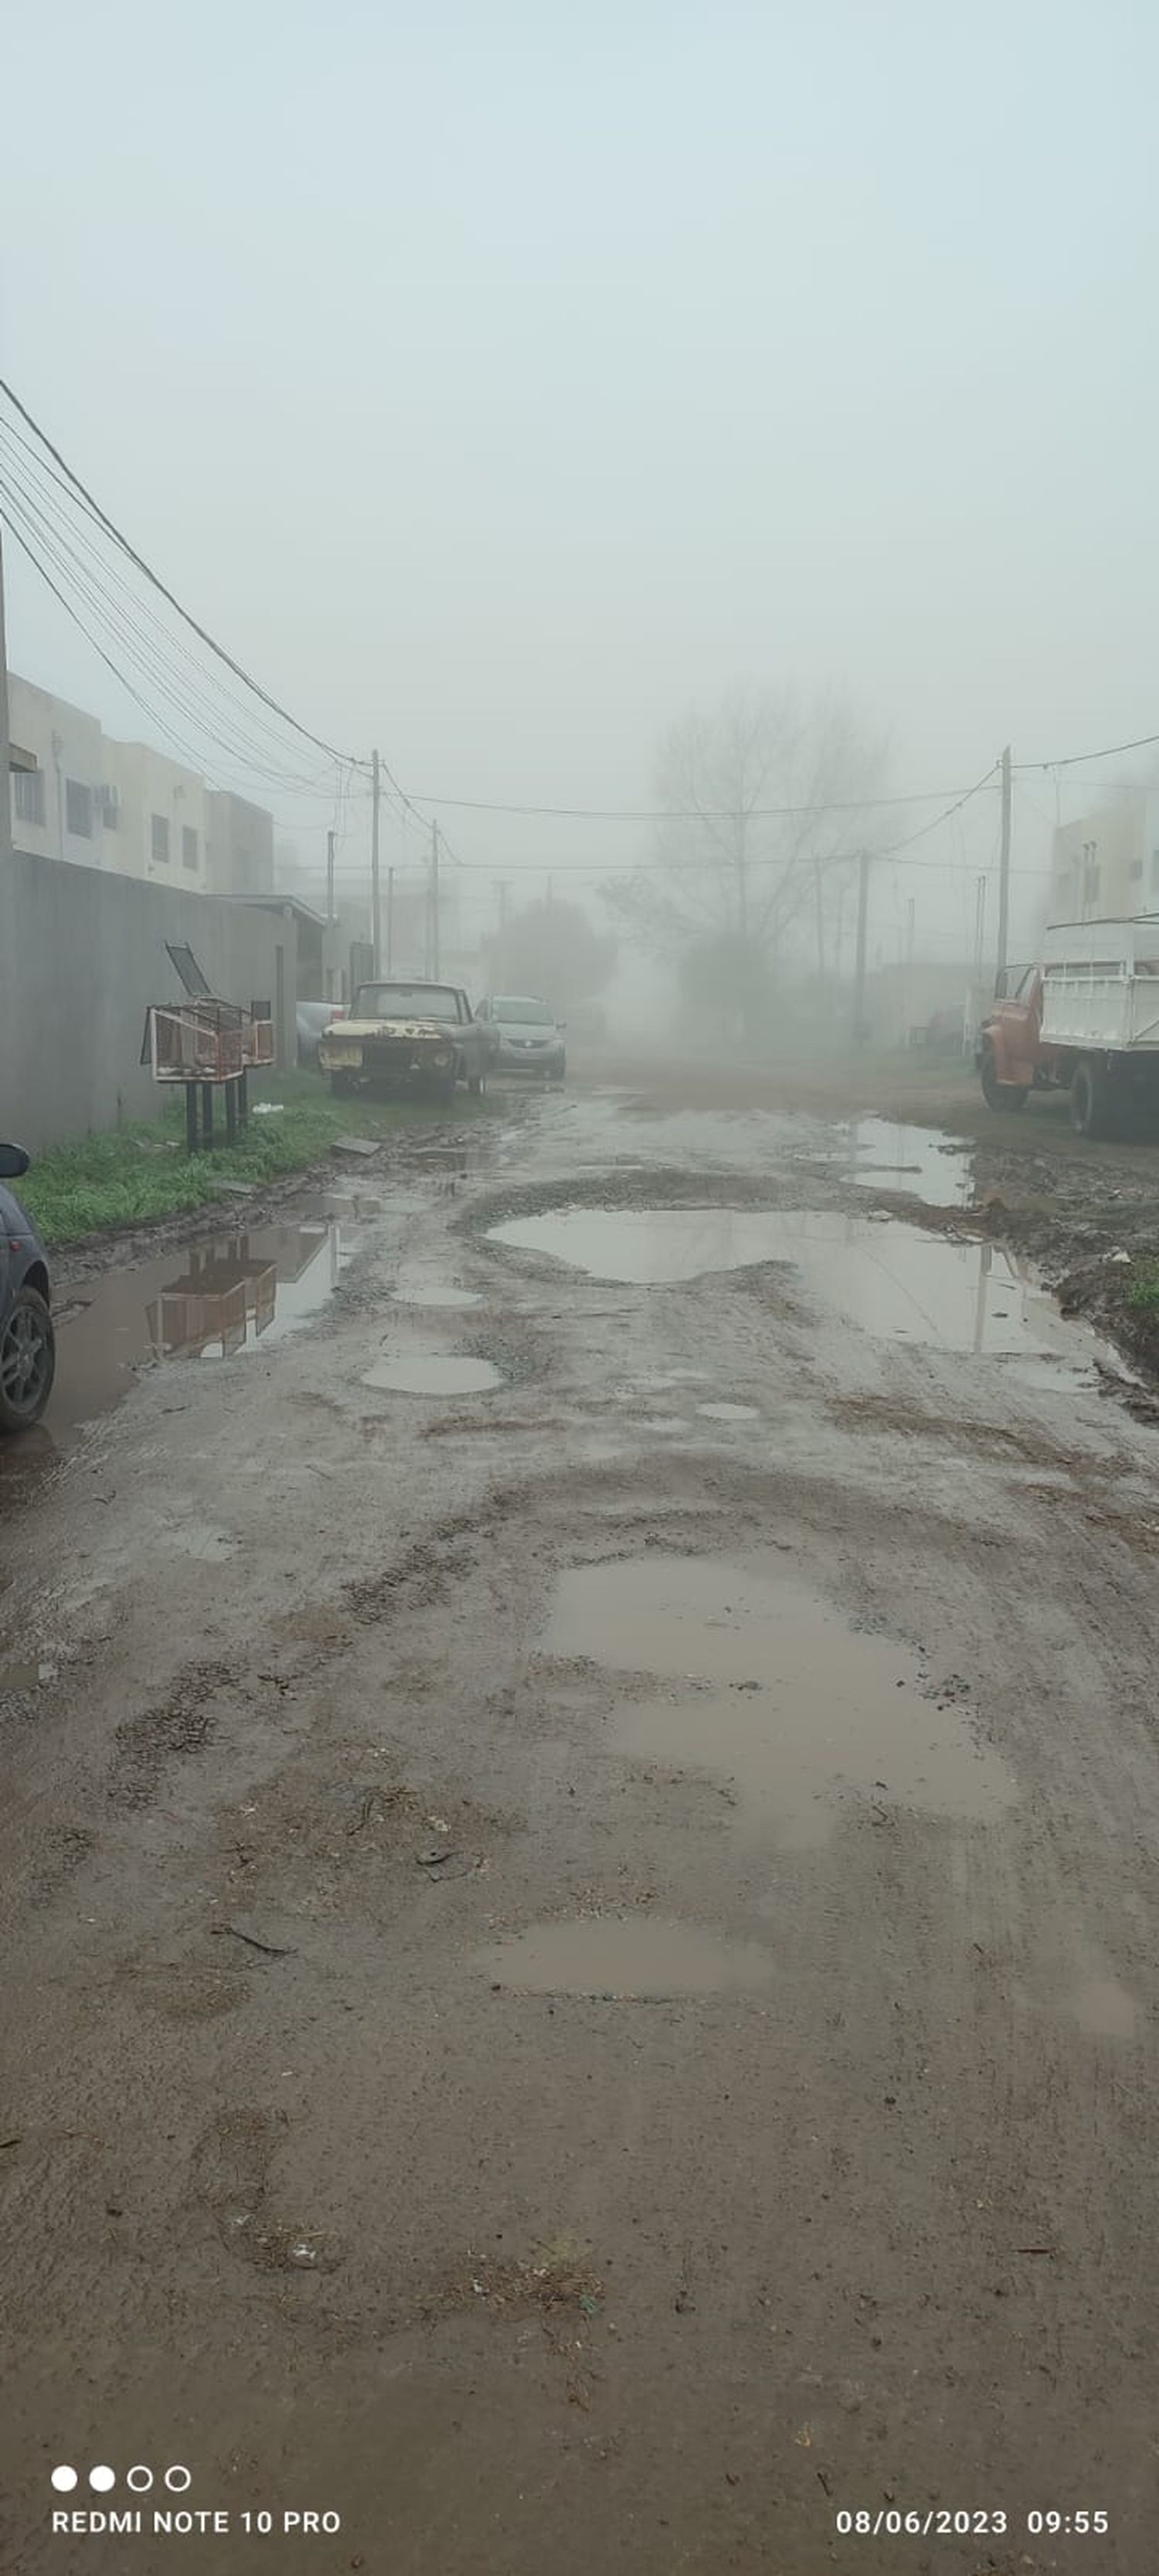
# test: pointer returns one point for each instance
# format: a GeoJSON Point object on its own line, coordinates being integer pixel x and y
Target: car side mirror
{"type": "Point", "coordinates": [14, 1162]}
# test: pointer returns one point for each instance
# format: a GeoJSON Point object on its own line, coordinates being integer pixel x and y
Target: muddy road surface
{"type": "Point", "coordinates": [580, 1916]}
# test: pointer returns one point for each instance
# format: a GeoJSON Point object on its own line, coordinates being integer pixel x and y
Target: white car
{"type": "Point", "coordinates": [525, 1036]}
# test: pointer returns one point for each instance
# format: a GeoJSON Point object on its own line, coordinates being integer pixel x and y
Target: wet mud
{"type": "Point", "coordinates": [580, 1947]}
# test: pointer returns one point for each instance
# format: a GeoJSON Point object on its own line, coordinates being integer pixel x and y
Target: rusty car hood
{"type": "Point", "coordinates": [409, 1029]}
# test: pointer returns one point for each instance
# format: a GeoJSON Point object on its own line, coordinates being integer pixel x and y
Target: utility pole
{"type": "Point", "coordinates": [390, 921]}
{"type": "Point", "coordinates": [1004, 877]}
{"type": "Point", "coordinates": [820, 908]}
{"type": "Point", "coordinates": [375, 888]}
{"type": "Point", "coordinates": [502, 889]}
{"type": "Point", "coordinates": [862, 932]}
{"type": "Point", "coordinates": [435, 899]}
{"type": "Point", "coordinates": [329, 878]}
{"type": "Point", "coordinates": [742, 890]}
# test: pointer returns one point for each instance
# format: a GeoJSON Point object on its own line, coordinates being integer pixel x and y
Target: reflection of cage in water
{"type": "Point", "coordinates": [214, 1303]}
{"type": "Point", "coordinates": [204, 1041]}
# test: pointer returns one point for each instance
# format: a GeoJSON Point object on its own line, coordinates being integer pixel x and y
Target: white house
{"type": "Point", "coordinates": [58, 787]}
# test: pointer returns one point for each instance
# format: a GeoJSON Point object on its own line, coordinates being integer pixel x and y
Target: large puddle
{"type": "Point", "coordinates": [915, 1161]}
{"type": "Point", "coordinates": [893, 1280]}
{"type": "Point", "coordinates": [648, 1247]}
{"type": "Point", "coordinates": [433, 1373]}
{"type": "Point", "coordinates": [610, 1956]}
{"type": "Point", "coordinates": [236, 1292]}
{"type": "Point", "coordinates": [804, 1717]}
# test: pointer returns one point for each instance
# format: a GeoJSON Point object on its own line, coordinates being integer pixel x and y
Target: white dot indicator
{"type": "Point", "coordinates": [140, 2478]}
{"type": "Point", "coordinates": [64, 2480]}
{"type": "Point", "coordinates": [178, 2478]}
{"type": "Point", "coordinates": [102, 2480]}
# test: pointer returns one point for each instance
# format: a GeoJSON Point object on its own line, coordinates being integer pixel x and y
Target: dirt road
{"type": "Point", "coordinates": [578, 1882]}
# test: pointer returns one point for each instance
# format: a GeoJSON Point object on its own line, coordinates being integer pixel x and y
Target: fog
{"type": "Point", "coordinates": [496, 384]}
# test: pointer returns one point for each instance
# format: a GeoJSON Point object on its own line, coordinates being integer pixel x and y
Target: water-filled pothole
{"type": "Point", "coordinates": [802, 1714]}
{"type": "Point", "coordinates": [621, 1955]}
{"type": "Point", "coordinates": [434, 1373]}
{"type": "Point", "coordinates": [647, 1246]}
{"type": "Point", "coordinates": [417, 1295]}
{"type": "Point", "coordinates": [917, 1162]}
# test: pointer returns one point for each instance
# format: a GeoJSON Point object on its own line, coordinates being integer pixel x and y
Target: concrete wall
{"type": "Point", "coordinates": [82, 954]}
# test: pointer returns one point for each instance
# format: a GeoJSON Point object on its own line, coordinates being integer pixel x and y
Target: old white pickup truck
{"type": "Point", "coordinates": [404, 1035]}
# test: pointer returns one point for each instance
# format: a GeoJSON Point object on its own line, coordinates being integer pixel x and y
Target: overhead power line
{"type": "Point", "coordinates": [1109, 751]}
{"type": "Point", "coordinates": [703, 813]}
{"type": "Point", "coordinates": [239, 672]}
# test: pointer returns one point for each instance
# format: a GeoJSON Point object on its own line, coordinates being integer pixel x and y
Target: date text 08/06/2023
{"type": "Point", "coordinates": [942, 2521]}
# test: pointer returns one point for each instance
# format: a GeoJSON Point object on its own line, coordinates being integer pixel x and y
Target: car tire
{"type": "Point", "coordinates": [27, 1361]}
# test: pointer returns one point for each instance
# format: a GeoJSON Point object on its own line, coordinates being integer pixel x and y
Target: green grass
{"type": "Point", "coordinates": [130, 1175]}
{"type": "Point", "coordinates": [1144, 1291]}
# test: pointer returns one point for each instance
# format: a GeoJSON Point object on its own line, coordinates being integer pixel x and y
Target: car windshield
{"type": "Point", "coordinates": [408, 1002]}
{"type": "Point", "coordinates": [535, 1014]}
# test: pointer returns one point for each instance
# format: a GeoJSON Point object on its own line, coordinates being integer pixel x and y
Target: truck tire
{"type": "Point", "coordinates": [1092, 1099]}
{"type": "Point", "coordinates": [1000, 1095]}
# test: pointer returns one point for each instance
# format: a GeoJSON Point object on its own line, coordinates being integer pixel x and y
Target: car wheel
{"type": "Point", "coordinates": [27, 1361]}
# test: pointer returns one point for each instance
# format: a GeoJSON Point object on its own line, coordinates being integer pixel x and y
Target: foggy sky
{"type": "Point", "coordinates": [494, 379]}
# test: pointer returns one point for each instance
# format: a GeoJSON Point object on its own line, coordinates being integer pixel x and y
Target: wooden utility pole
{"type": "Point", "coordinates": [862, 934]}
{"type": "Point", "coordinates": [390, 921]}
{"type": "Point", "coordinates": [1004, 877]}
{"type": "Point", "coordinates": [742, 887]}
{"type": "Point", "coordinates": [375, 887]}
{"type": "Point", "coordinates": [329, 878]}
{"type": "Point", "coordinates": [435, 900]}
{"type": "Point", "coordinates": [820, 910]}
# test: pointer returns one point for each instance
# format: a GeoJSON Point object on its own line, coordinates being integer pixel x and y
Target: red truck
{"type": "Point", "coordinates": [1086, 1020]}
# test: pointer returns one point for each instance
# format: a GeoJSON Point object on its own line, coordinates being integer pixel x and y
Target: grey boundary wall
{"type": "Point", "coordinates": [82, 954]}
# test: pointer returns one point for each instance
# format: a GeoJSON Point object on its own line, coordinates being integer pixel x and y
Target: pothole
{"type": "Point", "coordinates": [417, 1295]}
{"type": "Point", "coordinates": [805, 1716]}
{"type": "Point", "coordinates": [647, 1247]}
{"type": "Point", "coordinates": [434, 1373]}
{"type": "Point", "coordinates": [610, 1956]}
{"type": "Point", "coordinates": [917, 1162]}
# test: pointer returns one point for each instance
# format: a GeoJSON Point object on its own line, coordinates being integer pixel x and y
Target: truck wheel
{"type": "Point", "coordinates": [1000, 1095]}
{"type": "Point", "coordinates": [1092, 1105]}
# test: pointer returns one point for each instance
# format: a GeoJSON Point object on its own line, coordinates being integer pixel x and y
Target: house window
{"type": "Point", "coordinates": [110, 808]}
{"type": "Point", "coordinates": [28, 795]}
{"type": "Point", "coordinates": [78, 810]}
{"type": "Point", "coordinates": [160, 826]}
{"type": "Point", "coordinates": [188, 846]}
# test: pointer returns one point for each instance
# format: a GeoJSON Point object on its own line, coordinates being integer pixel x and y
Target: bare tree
{"type": "Point", "coordinates": [760, 795]}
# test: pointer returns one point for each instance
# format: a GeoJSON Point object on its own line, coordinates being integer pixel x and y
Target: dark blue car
{"type": "Point", "coordinates": [27, 1340]}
